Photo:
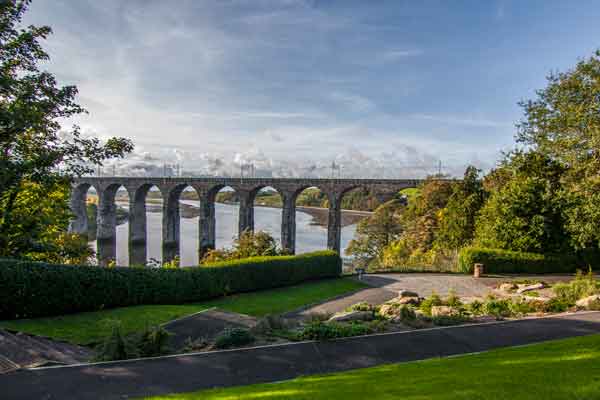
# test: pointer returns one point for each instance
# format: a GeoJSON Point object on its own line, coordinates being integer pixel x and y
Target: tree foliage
{"type": "Point", "coordinates": [457, 219]}
{"type": "Point", "coordinates": [563, 122]}
{"type": "Point", "coordinates": [33, 147]}
{"type": "Point", "coordinates": [526, 212]}
{"type": "Point", "coordinates": [375, 233]}
{"type": "Point", "coordinates": [248, 244]}
{"type": "Point", "coordinates": [421, 223]}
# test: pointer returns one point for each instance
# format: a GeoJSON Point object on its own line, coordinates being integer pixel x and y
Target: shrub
{"type": "Point", "coordinates": [116, 346]}
{"type": "Point", "coordinates": [407, 313]}
{"type": "Point", "coordinates": [453, 300]}
{"type": "Point", "coordinates": [475, 308]}
{"type": "Point", "coordinates": [581, 286]}
{"type": "Point", "coordinates": [233, 337]}
{"type": "Point", "coordinates": [498, 308]}
{"type": "Point", "coordinates": [362, 306]}
{"type": "Point", "coordinates": [505, 261]}
{"type": "Point", "coordinates": [320, 330]}
{"type": "Point", "coordinates": [448, 320]}
{"type": "Point", "coordinates": [33, 289]}
{"type": "Point", "coordinates": [152, 341]}
{"type": "Point", "coordinates": [556, 305]}
{"type": "Point", "coordinates": [433, 300]}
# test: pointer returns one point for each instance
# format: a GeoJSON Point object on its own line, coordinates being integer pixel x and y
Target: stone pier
{"type": "Point", "coordinates": [207, 188]}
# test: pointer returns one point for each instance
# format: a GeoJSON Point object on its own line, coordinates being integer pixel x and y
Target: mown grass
{"type": "Point", "coordinates": [565, 369]}
{"type": "Point", "coordinates": [91, 327]}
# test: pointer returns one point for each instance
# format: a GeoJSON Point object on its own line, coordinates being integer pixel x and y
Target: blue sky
{"type": "Point", "coordinates": [385, 88]}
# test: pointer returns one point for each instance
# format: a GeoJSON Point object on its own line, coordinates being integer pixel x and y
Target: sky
{"type": "Point", "coordinates": [385, 89]}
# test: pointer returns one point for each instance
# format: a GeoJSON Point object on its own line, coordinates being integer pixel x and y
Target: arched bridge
{"type": "Point", "coordinates": [207, 188]}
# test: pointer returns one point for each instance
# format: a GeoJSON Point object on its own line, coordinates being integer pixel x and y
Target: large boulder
{"type": "Point", "coordinates": [407, 293]}
{"type": "Point", "coordinates": [409, 300]}
{"type": "Point", "coordinates": [443, 311]}
{"type": "Point", "coordinates": [589, 303]}
{"type": "Point", "coordinates": [352, 316]}
{"type": "Point", "coordinates": [507, 287]}
{"type": "Point", "coordinates": [389, 310]}
{"type": "Point", "coordinates": [529, 288]}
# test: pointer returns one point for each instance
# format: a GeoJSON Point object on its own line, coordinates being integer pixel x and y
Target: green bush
{"type": "Point", "coordinates": [233, 337]}
{"type": "Point", "coordinates": [151, 342]}
{"type": "Point", "coordinates": [581, 286]}
{"type": "Point", "coordinates": [33, 289]}
{"type": "Point", "coordinates": [498, 261]}
{"type": "Point", "coordinates": [498, 308]}
{"type": "Point", "coordinates": [433, 300]}
{"type": "Point", "coordinates": [320, 330]}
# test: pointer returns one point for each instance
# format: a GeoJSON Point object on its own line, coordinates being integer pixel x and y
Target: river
{"type": "Point", "coordinates": [309, 237]}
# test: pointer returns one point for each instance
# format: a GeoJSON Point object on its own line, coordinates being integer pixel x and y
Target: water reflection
{"type": "Point", "coordinates": [308, 237]}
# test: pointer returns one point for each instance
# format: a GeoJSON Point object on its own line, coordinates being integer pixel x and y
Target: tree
{"type": "Point", "coordinates": [457, 219]}
{"type": "Point", "coordinates": [421, 224]}
{"type": "Point", "coordinates": [526, 212]}
{"type": "Point", "coordinates": [563, 123]}
{"type": "Point", "coordinates": [33, 148]}
{"type": "Point", "coordinates": [374, 233]}
{"type": "Point", "coordinates": [248, 244]}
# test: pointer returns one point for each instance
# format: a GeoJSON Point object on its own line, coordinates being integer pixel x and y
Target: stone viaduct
{"type": "Point", "coordinates": [207, 189]}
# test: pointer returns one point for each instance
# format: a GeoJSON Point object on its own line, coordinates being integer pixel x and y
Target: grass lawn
{"type": "Point", "coordinates": [92, 327]}
{"type": "Point", "coordinates": [565, 369]}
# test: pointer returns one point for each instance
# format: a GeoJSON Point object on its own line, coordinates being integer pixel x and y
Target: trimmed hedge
{"type": "Point", "coordinates": [33, 289]}
{"type": "Point", "coordinates": [505, 261]}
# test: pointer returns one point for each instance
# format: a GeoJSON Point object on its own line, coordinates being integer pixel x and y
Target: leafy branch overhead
{"type": "Point", "coordinates": [34, 149]}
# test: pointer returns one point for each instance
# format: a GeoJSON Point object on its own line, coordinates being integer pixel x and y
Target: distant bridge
{"type": "Point", "coordinates": [207, 189]}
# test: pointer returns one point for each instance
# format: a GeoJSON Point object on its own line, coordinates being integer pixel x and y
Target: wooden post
{"type": "Point", "coordinates": [477, 270]}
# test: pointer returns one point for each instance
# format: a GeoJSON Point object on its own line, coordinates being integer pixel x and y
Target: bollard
{"type": "Point", "coordinates": [477, 270]}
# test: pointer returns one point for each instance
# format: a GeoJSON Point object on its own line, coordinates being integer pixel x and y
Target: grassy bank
{"type": "Point", "coordinates": [565, 369]}
{"type": "Point", "coordinates": [91, 327]}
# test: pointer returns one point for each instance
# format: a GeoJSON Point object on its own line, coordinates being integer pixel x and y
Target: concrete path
{"type": "Point", "coordinates": [20, 350]}
{"type": "Point", "coordinates": [370, 295]}
{"type": "Point", "coordinates": [205, 325]}
{"type": "Point", "coordinates": [463, 285]}
{"type": "Point", "coordinates": [119, 380]}
{"type": "Point", "coordinates": [385, 287]}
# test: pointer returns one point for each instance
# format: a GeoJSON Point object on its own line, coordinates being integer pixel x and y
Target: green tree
{"type": "Point", "coordinates": [526, 212]}
{"type": "Point", "coordinates": [457, 219]}
{"type": "Point", "coordinates": [375, 233]}
{"type": "Point", "coordinates": [248, 244]}
{"type": "Point", "coordinates": [33, 148]}
{"type": "Point", "coordinates": [563, 122]}
{"type": "Point", "coordinates": [421, 224]}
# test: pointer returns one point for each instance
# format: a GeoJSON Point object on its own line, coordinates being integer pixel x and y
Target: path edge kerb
{"type": "Point", "coordinates": [292, 344]}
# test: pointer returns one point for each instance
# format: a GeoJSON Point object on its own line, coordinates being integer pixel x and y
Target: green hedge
{"type": "Point", "coordinates": [498, 261]}
{"type": "Point", "coordinates": [32, 289]}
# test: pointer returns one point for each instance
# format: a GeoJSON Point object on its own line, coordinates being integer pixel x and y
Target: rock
{"type": "Point", "coordinates": [409, 300]}
{"type": "Point", "coordinates": [389, 310]}
{"type": "Point", "coordinates": [407, 293]}
{"type": "Point", "coordinates": [528, 288]}
{"type": "Point", "coordinates": [589, 303]}
{"type": "Point", "coordinates": [507, 287]}
{"type": "Point", "coordinates": [352, 316]}
{"type": "Point", "coordinates": [538, 299]}
{"type": "Point", "coordinates": [442, 311]}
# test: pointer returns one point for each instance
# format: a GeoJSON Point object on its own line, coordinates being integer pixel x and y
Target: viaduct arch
{"type": "Point", "coordinates": [207, 188]}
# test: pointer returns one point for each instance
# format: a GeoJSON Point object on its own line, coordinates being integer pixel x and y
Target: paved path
{"type": "Point", "coordinates": [463, 285]}
{"type": "Point", "coordinates": [19, 350]}
{"type": "Point", "coordinates": [370, 295]}
{"type": "Point", "coordinates": [385, 287]}
{"type": "Point", "coordinates": [204, 325]}
{"type": "Point", "coordinates": [119, 380]}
